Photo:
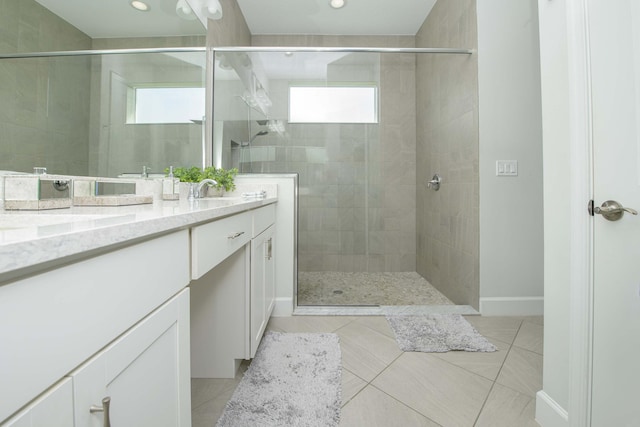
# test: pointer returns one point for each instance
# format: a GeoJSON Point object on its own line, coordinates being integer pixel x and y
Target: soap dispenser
{"type": "Point", "coordinates": [170, 187]}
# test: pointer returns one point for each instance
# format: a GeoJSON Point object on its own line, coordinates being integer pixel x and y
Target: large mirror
{"type": "Point", "coordinates": [100, 115]}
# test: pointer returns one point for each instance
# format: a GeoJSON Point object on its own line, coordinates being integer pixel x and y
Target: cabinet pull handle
{"type": "Point", "coordinates": [235, 235]}
{"type": "Point", "coordinates": [269, 246]}
{"type": "Point", "coordinates": [106, 403]}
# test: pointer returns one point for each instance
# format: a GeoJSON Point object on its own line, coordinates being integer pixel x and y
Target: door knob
{"type": "Point", "coordinates": [613, 211]}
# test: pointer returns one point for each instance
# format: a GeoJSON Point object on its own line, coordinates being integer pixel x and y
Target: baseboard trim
{"type": "Point", "coordinates": [512, 306]}
{"type": "Point", "coordinates": [549, 413]}
{"type": "Point", "coordinates": [283, 307]}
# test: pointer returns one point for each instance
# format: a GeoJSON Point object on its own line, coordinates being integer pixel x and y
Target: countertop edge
{"type": "Point", "coordinates": [24, 257]}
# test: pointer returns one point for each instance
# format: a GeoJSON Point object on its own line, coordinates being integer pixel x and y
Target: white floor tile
{"type": "Point", "coordinates": [522, 371]}
{"type": "Point", "coordinates": [366, 352]}
{"type": "Point", "coordinates": [445, 393]}
{"type": "Point", "coordinates": [530, 337]}
{"type": "Point", "coordinates": [373, 408]}
{"type": "Point", "coordinates": [507, 408]}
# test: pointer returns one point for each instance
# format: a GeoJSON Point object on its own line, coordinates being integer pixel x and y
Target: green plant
{"type": "Point", "coordinates": [192, 174]}
{"type": "Point", "coordinates": [224, 178]}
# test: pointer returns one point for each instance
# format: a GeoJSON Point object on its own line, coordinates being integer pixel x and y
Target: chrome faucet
{"type": "Point", "coordinates": [208, 181]}
{"type": "Point", "coordinates": [145, 171]}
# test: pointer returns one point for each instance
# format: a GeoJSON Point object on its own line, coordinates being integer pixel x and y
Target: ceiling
{"type": "Point", "coordinates": [116, 18]}
{"type": "Point", "coordinates": [357, 17]}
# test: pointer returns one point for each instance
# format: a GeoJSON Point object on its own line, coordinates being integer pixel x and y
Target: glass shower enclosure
{"type": "Point", "coordinates": [344, 120]}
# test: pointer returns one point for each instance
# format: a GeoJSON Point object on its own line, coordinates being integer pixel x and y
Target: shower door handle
{"type": "Point", "coordinates": [435, 182]}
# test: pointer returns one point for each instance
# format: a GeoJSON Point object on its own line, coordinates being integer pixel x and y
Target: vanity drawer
{"type": "Point", "coordinates": [212, 243]}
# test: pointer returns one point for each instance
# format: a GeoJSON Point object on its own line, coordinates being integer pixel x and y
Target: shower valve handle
{"type": "Point", "coordinates": [435, 182]}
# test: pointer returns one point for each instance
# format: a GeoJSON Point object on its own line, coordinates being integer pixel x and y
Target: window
{"type": "Point", "coordinates": [154, 105]}
{"type": "Point", "coordinates": [333, 104]}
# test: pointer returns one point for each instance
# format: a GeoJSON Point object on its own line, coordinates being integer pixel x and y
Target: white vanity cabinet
{"type": "Point", "coordinates": [233, 296]}
{"type": "Point", "coordinates": [53, 322]}
{"type": "Point", "coordinates": [53, 409]}
{"type": "Point", "coordinates": [262, 285]}
{"type": "Point", "coordinates": [133, 321]}
{"type": "Point", "coordinates": [144, 374]}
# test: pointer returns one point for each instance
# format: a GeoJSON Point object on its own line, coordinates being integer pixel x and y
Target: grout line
{"type": "Point", "coordinates": [484, 403]}
{"type": "Point", "coordinates": [366, 384]}
{"type": "Point", "coordinates": [469, 371]}
{"type": "Point", "coordinates": [527, 349]}
{"type": "Point", "coordinates": [392, 397]}
{"type": "Point", "coordinates": [509, 351]}
{"type": "Point", "coordinates": [497, 376]}
{"type": "Point", "coordinates": [377, 330]}
{"type": "Point", "coordinates": [405, 405]}
{"type": "Point", "coordinates": [343, 326]}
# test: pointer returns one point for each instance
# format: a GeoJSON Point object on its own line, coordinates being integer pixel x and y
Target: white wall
{"type": "Point", "coordinates": [557, 166]}
{"type": "Point", "coordinates": [511, 226]}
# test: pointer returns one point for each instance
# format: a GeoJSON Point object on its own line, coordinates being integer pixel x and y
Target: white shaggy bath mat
{"type": "Point", "coordinates": [294, 380]}
{"type": "Point", "coordinates": [437, 333]}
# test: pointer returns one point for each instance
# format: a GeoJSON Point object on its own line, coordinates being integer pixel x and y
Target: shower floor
{"type": "Point", "coordinates": [349, 289]}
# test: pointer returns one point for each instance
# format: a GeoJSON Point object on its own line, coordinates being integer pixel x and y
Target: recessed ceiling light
{"type": "Point", "coordinates": [336, 4]}
{"type": "Point", "coordinates": [140, 5]}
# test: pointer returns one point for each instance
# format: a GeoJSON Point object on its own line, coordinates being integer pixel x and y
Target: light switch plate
{"type": "Point", "coordinates": [506, 168]}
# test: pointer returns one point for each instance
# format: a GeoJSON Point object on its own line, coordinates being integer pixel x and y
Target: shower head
{"type": "Point", "coordinates": [261, 133]}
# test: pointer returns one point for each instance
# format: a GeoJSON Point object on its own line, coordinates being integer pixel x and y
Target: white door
{"type": "Point", "coordinates": [614, 32]}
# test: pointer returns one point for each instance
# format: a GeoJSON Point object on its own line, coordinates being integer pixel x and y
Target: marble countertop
{"type": "Point", "coordinates": [40, 239]}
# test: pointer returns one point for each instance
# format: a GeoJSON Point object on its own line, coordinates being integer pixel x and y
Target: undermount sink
{"type": "Point", "coordinates": [220, 202]}
{"type": "Point", "coordinates": [26, 220]}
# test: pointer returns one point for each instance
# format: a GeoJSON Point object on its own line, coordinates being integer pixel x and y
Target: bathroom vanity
{"type": "Point", "coordinates": [103, 310]}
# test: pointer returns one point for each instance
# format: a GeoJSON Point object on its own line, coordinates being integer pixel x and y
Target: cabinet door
{"type": "Point", "coordinates": [262, 286]}
{"type": "Point", "coordinates": [270, 273]}
{"type": "Point", "coordinates": [53, 409]}
{"type": "Point", "coordinates": [145, 373]}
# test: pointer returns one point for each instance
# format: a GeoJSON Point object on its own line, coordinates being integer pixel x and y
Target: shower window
{"type": "Point", "coordinates": [333, 104]}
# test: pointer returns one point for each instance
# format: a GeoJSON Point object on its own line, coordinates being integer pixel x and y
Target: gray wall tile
{"type": "Point", "coordinates": [447, 135]}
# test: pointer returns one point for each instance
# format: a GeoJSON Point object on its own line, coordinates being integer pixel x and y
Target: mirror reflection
{"type": "Point", "coordinates": [86, 115]}
{"type": "Point", "coordinates": [107, 115]}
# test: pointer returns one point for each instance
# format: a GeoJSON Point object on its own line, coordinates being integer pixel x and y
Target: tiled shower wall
{"type": "Point", "coordinates": [447, 107]}
{"type": "Point", "coordinates": [44, 119]}
{"type": "Point", "coordinates": [47, 105]}
{"type": "Point", "coordinates": [357, 208]}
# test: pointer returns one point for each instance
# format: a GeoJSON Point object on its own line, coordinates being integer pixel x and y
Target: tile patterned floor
{"type": "Point", "coordinates": [382, 386]}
